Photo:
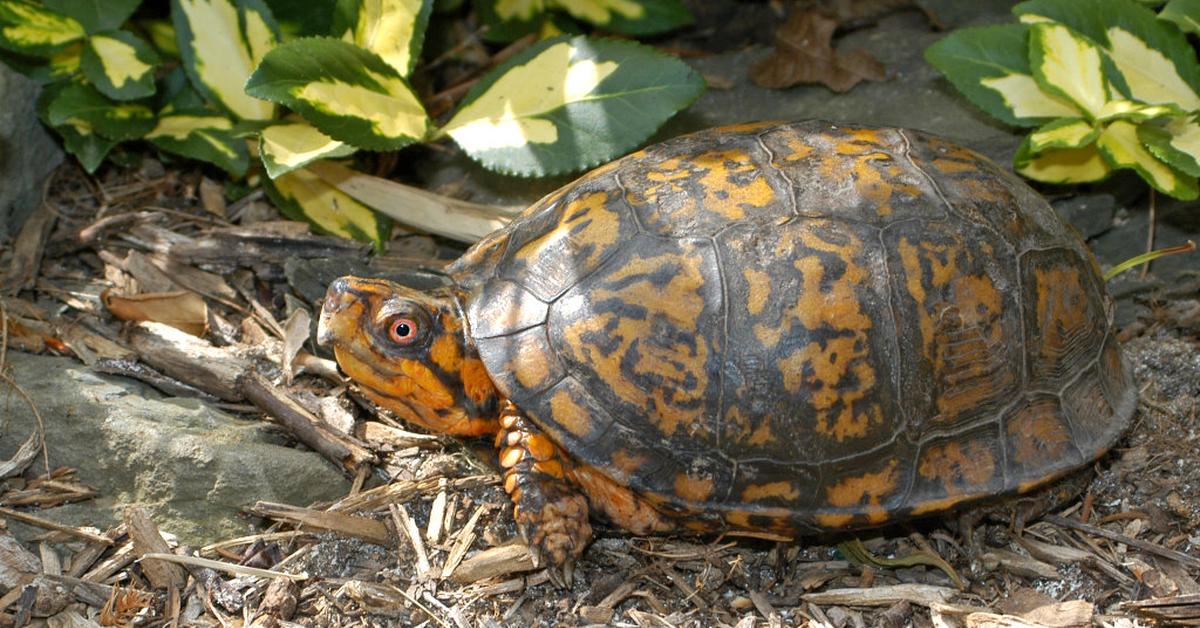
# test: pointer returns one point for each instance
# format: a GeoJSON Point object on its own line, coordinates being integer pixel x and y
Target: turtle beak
{"type": "Point", "coordinates": [337, 298]}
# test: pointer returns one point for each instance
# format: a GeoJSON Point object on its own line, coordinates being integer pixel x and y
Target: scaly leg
{"type": "Point", "coordinates": [551, 513]}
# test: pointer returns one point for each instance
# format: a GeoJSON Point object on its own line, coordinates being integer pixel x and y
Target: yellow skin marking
{"type": "Point", "coordinates": [760, 290]}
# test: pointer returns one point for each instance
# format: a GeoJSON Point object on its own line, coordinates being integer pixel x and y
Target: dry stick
{"type": "Point", "coordinates": [404, 521]}
{"type": "Point", "coordinates": [306, 427]}
{"type": "Point", "coordinates": [1149, 235]}
{"type": "Point", "coordinates": [359, 527]}
{"type": "Point", "coordinates": [1121, 538]}
{"type": "Point", "coordinates": [237, 570]}
{"type": "Point", "coordinates": [36, 415]}
{"type": "Point", "coordinates": [51, 525]}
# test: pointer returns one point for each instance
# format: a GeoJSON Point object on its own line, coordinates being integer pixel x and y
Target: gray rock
{"type": "Point", "coordinates": [1092, 214]}
{"type": "Point", "coordinates": [194, 468]}
{"type": "Point", "coordinates": [27, 152]}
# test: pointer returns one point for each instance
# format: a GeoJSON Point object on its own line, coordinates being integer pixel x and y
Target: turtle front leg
{"type": "Point", "coordinates": [551, 513]}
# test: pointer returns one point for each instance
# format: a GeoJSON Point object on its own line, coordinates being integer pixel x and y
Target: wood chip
{"type": "Point", "coordinates": [147, 540]}
{"type": "Point", "coordinates": [1018, 564]}
{"type": "Point", "coordinates": [358, 527]}
{"type": "Point", "coordinates": [1072, 614]}
{"type": "Point", "coordinates": [492, 562]}
{"type": "Point", "coordinates": [920, 594]}
{"type": "Point", "coordinates": [191, 360]}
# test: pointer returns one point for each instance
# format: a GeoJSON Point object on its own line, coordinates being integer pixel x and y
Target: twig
{"type": "Point", "coordinates": [237, 570]}
{"type": "Point", "coordinates": [1121, 538]}
{"type": "Point", "coordinates": [1149, 234]}
{"type": "Point", "coordinates": [37, 417]}
{"type": "Point", "coordinates": [25, 517]}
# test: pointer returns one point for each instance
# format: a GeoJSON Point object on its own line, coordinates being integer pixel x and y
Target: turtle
{"type": "Point", "coordinates": [783, 328]}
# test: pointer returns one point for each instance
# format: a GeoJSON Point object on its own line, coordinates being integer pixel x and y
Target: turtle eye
{"type": "Point", "coordinates": [402, 330]}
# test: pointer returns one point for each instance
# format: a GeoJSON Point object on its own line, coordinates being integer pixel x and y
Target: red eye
{"type": "Point", "coordinates": [403, 331]}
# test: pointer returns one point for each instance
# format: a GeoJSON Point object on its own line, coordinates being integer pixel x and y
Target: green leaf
{"type": "Point", "coordinates": [288, 146]}
{"type": "Point", "coordinates": [96, 16]}
{"type": "Point", "coordinates": [302, 18]}
{"type": "Point", "coordinates": [1063, 133]}
{"type": "Point", "coordinates": [990, 66]}
{"type": "Point", "coordinates": [350, 94]}
{"type": "Point", "coordinates": [507, 20]}
{"type": "Point", "coordinates": [33, 30]}
{"type": "Point", "coordinates": [162, 35]}
{"type": "Point", "coordinates": [203, 135]}
{"type": "Point", "coordinates": [631, 17]}
{"type": "Point", "coordinates": [392, 29]}
{"type": "Point", "coordinates": [1183, 13]}
{"type": "Point", "coordinates": [79, 140]}
{"type": "Point", "coordinates": [566, 104]}
{"type": "Point", "coordinates": [120, 65]}
{"type": "Point", "coordinates": [1120, 146]}
{"type": "Point", "coordinates": [83, 106]}
{"type": "Point", "coordinates": [221, 42]}
{"type": "Point", "coordinates": [1069, 66]}
{"type": "Point", "coordinates": [302, 195]}
{"type": "Point", "coordinates": [1061, 165]}
{"type": "Point", "coordinates": [60, 65]}
{"type": "Point", "coordinates": [1177, 143]}
{"type": "Point", "coordinates": [1154, 61]}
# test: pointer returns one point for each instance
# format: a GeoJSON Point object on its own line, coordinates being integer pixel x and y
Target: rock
{"type": "Point", "coordinates": [192, 467]}
{"type": "Point", "coordinates": [1092, 214]}
{"type": "Point", "coordinates": [27, 152]}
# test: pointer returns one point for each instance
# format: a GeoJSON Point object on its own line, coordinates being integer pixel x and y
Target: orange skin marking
{"type": "Point", "coordinates": [1037, 433]}
{"type": "Point", "coordinates": [958, 467]}
{"type": "Point", "coordinates": [797, 149]}
{"type": "Point", "coordinates": [445, 353]}
{"type": "Point", "coordinates": [862, 156]}
{"type": "Point", "coordinates": [831, 364]}
{"type": "Point", "coordinates": [955, 166]}
{"type": "Point", "coordinates": [938, 505]}
{"type": "Point", "coordinates": [724, 177]}
{"type": "Point", "coordinates": [476, 381]}
{"type": "Point", "coordinates": [869, 487]}
{"type": "Point", "coordinates": [782, 488]}
{"type": "Point", "coordinates": [693, 489]}
{"type": "Point", "coordinates": [833, 520]}
{"type": "Point", "coordinates": [1061, 314]}
{"type": "Point", "coordinates": [619, 504]}
{"type": "Point", "coordinates": [530, 364]}
{"type": "Point", "coordinates": [627, 464]}
{"type": "Point", "coordinates": [679, 364]}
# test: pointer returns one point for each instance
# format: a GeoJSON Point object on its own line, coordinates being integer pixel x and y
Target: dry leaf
{"type": "Point", "coordinates": [804, 54]}
{"type": "Point", "coordinates": [212, 197]}
{"type": "Point", "coordinates": [185, 311]}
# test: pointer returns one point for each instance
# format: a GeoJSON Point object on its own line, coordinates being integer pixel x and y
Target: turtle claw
{"type": "Point", "coordinates": [562, 575]}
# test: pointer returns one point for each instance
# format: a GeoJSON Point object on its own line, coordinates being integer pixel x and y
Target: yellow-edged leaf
{"type": "Point", "coordinates": [32, 29]}
{"type": "Point", "coordinates": [1027, 100]}
{"type": "Point", "coordinates": [1064, 133]}
{"type": "Point", "coordinates": [285, 147]}
{"type": "Point", "coordinates": [1067, 64]}
{"type": "Point", "coordinates": [388, 28]}
{"type": "Point", "coordinates": [602, 11]}
{"type": "Point", "coordinates": [1063, 165]}
{"type": "Point", "coordinates": [1120, 146]}
{"type": "Point", "coordinates": [220, 56]}
{"type": "Point", "coordinates": [301, 194]}
{"type": "Point", "coordinates": [507, 115]}
{"type": "Point", "coordinates": [122, 64]}
{"type": "Point", "coordinates": [520, 10]}
{"type": "Point", "coordinates": [1135, 111]}
{"type": "Point", "coordinates": [1185, 136]}
{"type": "Point", "coordinates": [1151, 76]}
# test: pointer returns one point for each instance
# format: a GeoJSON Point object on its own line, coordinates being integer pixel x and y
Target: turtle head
{"type": "Point", "coordinates": [409, 352]}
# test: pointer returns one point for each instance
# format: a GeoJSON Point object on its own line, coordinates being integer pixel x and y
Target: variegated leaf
{"type": "Point", "coordinates": [348, 93]}
{"type": "Point", "coordinates": [392, 29]}
{"type": "Point", "coordinates": [1063, 133]}
{"type": "Point", "coordinates": [1184, 13]}
{"type": "Point", "coordinates": [85, 108]}
{"type": "Point", "coordinates": [96, 16]}
{"type": "Point", "coordinates": [81, 141]}
{"type": "Point", "coordinates": [568, 104]}
{"type": "Point", "coordinates": [32, 29]}
{"type": "Point", "coordinates": [632, 17]}
{"type": "Point", "coordinates": [990, 66]}
{"type": "Point", "coordinates": [1154, 61]}
{"type": "Point", "coordinates": [1068, 65]}
{"type": "Point", "coordinates": [302, 195]}
{"type": "Point", "coordinates": [1136, 111]}
{"type": "Point", "coordinates": [221, 42]}
{"type": "Point", "coordinates": [1121, 147]}
{"type": "Point", "coordinates": [1177, 142]}
{"type": "Point", "coordinates": [287, 146]}
{"type": "Point", "coordinates": [203, 135]}
{"type": "Point", "coordinates": [1061, 165]}
{"type": "Point", "coordinates": [120, 65]}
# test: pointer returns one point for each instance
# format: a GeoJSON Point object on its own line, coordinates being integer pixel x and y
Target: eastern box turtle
{"type": "Point", "coordinates": [785, 328]}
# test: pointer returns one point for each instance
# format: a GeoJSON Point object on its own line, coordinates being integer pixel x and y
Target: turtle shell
{"type": "Point", "coordinates": [803, 326]}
